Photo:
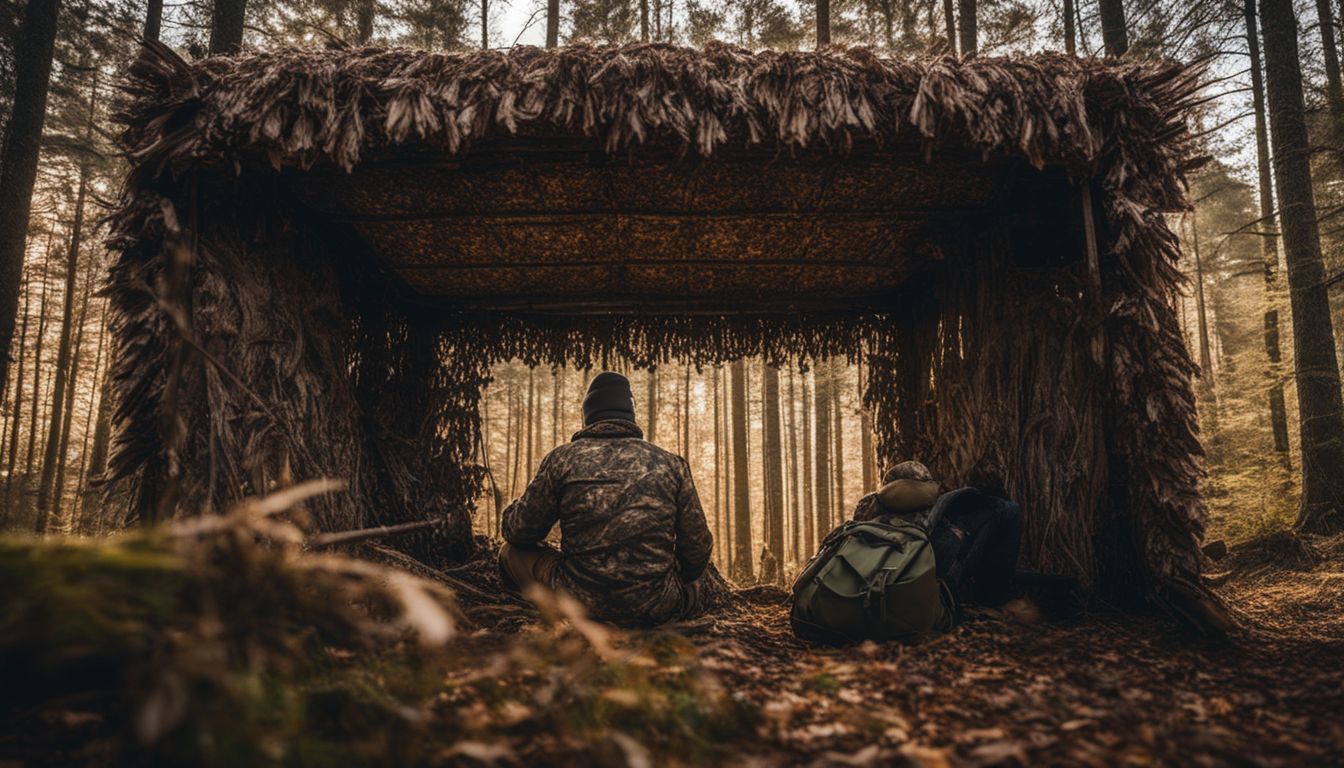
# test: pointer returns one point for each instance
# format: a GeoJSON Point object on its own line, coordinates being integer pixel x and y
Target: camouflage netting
{"type": "Point", "coordinates": [261, 342]}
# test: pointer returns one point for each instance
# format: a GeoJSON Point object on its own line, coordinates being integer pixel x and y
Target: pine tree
{"type": "Point", "coordinates": [743, 571]}
{"type": "Point", "coordinates": [18, 157]}
{"type": "Point", "coordinates": [1321, 411]}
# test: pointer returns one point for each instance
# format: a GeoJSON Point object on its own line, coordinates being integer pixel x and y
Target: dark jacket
{"type": "Point", "coordinates": [631, 527]}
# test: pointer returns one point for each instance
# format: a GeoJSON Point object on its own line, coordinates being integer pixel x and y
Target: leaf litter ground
{"type": "Point", "coordinates": [1010, 688]}
{"type": "Point", "coordinates": [256, 662]}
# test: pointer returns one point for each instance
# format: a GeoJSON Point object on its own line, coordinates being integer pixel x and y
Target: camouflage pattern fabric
{"type": "Point", "coordinates": [633, 535]}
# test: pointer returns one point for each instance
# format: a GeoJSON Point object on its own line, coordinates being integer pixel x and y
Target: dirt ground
{"type": "Point", "coordinates": [1010, 688]}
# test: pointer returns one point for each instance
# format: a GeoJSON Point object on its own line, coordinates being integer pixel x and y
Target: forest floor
{"type": "Point", "coordinates": [1011, 688]}
{"type": "Point", "coordinates": [521, 686]}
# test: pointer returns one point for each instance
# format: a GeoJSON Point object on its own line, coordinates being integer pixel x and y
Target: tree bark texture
{"type": "Point", "coordinates": [226, 26]}
{"type": "Point", "coordinates": [18, 158]}
{"type": "Point", "coordinates": [742, 551]}
{"type": "Point", "coordinates": [1114, 30]}
{"type": "Point", "coordinates": [1321, 413]}
{"type": "Point", "coordinates": [1278, 408]}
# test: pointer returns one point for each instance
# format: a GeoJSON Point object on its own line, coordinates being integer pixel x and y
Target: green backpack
{"type": "Point", "coordinates": [872, 580]}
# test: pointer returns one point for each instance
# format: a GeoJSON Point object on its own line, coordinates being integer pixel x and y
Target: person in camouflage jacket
{"type": "Point", "coordinates": [634, 540]}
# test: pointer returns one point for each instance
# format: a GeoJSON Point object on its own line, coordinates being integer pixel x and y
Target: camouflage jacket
{"type": "Point", "coordinates": [632, 533]}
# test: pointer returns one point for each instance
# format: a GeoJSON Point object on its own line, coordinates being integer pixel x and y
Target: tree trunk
{"type": "Point", "coordinates": [773, 460]}
{"type": "Point", "coordinates": [644, 21]}
{"type": "Point", "coordinates": [1278, 409]}
{"type": "Point", "coordinates": [950, 21]}
{"type": "Point", "coordinates": [557, 387]}
{"type": "Point", "coordinates": [1114, 32]}
{"type": "Point", "coordinates": [90, 419]}
{"type": "Point", "coordinates": [485, 25]}
{"type": "Point", "coordinates": [823, 23]}
{"type": "Point", "coordinates": [1334, 92]}
{"type": "Point", "coordinates": [651, 400]}
{"type": "Point", "coordinates": [822, 440]}
{"type": "Point", "coordinates": [794, 474]}
{"type": "Point", "coordinates": [516, 480]}
{"type": "Point", "coordinates": [36, 400]}
{"type": "Point", "coordinates": [16, 420]}
{"type": "Point", "coordinates": [552, 23]}
{"type": "Point", "coordinates": [366, 13]}
{"type": "Point", "coordinates": [34, 46]}
{"type": "Point", "coordinates": [102, 428]}
{"type": "Point", "coordinates": [718, 469]}
{"type": "Point", "coordinates": [686, 412]}
{"type": "Point", "coordinates": [153, 19]}
{"type": "Point", "coordinates": [1319, 400]}
{"type": "Point", "coordinates": [226, 26]}
{"type": "Point", "coordinates": [742, 554]}
{"type": "Point", "coordinates": [838, 509]}
{"type": "Point", "coordinates": [63, 454]}
{"type": "Point", "coordinates": [1070, 33]}
{"type": "Point", "coordinates": [968, 27]}
{"type": "Point", "coordinates": [1205, 350]}
{"type": "Point", "coordinates": [533, 417]}
{"type": "Point", "coordinates": [45, 487]}
{"type": "Point", "coordinates": [869, 456]}
{"type": "Point", "coordinates": [810, 540]}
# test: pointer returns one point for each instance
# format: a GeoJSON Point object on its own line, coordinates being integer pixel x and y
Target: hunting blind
{"type": "Point", "coordinates": [320, 254]}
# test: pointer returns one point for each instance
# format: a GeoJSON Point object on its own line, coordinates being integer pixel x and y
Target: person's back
{"type": "Point", "coordinates": [633, 536]}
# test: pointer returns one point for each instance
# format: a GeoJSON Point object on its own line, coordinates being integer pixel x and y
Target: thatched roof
{"type": "Point", "coordinates": [646, 174]}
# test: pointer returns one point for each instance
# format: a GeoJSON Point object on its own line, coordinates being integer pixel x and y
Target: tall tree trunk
{"type": "Point", "coordinates": [557, 386]}
{"type": "Point", "coordinates": [366, 13]}
{"type": "Point", "coordinates": [16, 420]}
{"type": "Point", "coordinates": [45, 487]}
{"type": "Point", "coordinates": [1319, 399]}
{"type": "Point", "coordinates": [36, 400]}
{"type": "Point", "coordinates": [552, 23]}
{"type": "Point", "coordinates": [102, 428]}
{"type": "Point", "coordinates": [950, 22]}
{"type": "Point", "coordinates": [63, 454]}
{"type": "Point", "coordinates": [794, 475]}
{"type": "Point", "coordinates": [1114, 32]}
{"type": "Point", "coordinates": [1205, 349]}
{"type": "Point", "coordinates": [838, 509]}
{"type": "Point", "coordinates": [644, 21]}
{"type": "Point", "coordinates": [773, 460]}
{"type": "Point", "coordinates": [968, 27]}
{"type": "Point", "coordinates": [1070, 32]}
{"type": "Point", "coordinates": [869, 456]}
{"type": "Point", "coordinates": [90, 419]}
{"type": "Point", "coordinates": [822, 413]}
{"type": "Point", "coordinates": [226, 26]}
{"type": "Point", "coordinates": [651, 433]}
{"type": "Point", "coordinates": [721, 498]}
{"type": "Point", "coordinates": [686, 412]}
{"type": "Point", "coordinates": [1278, 409]}
{"type": "Point", "coordinates": [742, 556]}
{"type": "Point", "coordinates": [516, 480]}
{"type": "Point", "coordinates": [532, 419]}
{"type": "Point", "coordinates": [153, 19]}
{"type": "Point", "coordinates": [810, 541]}
{"type": "Point", "coordinates": [33, 50]}
{"type": "Point", "coordinates": [1334, 92]}
{"type": "Point", "coordinates": [485, 25]}
{"type": "Point", "coordinates": [823, 23]}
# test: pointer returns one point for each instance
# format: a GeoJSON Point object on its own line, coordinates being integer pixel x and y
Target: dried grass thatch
{"type": "Point", "coordinates": [256, 345]}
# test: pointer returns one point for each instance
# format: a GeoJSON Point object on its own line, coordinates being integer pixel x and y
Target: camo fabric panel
{"type": "Point", "coordinates": [632, 530]}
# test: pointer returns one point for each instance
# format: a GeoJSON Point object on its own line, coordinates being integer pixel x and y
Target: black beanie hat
{"type": "Point", "coordinates": [608, 397]}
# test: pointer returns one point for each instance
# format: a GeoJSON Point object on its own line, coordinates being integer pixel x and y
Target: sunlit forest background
{"type": "Point", "coordinates": [779, 454]}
